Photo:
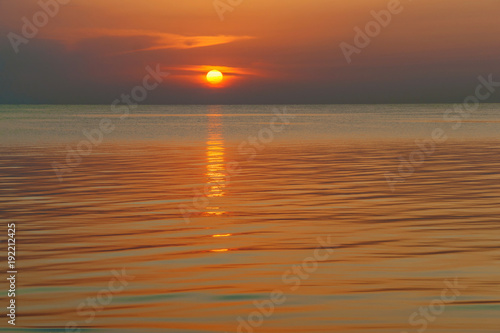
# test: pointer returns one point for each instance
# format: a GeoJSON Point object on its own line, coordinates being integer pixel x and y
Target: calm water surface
{"type": "Point", "coordinates": [205, 224]}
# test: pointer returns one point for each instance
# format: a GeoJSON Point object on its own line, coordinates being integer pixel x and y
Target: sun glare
{"type": "Point", "coordinates": [214, 77]}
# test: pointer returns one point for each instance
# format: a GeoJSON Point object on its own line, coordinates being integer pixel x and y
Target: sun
{"type": "Point", "coordinates": [214, 77]}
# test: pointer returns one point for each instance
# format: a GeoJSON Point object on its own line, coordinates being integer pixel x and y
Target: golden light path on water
{"type": "Point", "coordinates": [215, 156]}
{"type": "Point", "coordinates": [216, 177]}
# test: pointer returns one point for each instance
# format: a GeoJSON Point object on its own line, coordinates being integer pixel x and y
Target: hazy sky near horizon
{"type": "Point", "coordinates": [271, 51]}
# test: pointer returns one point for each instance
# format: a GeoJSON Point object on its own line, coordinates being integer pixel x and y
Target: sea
{"type": "Point", "coordinates": [251, 218]}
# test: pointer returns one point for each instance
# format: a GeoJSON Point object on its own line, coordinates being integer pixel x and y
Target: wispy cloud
{"type": "Point", "coordinates": [159, 40]}
{"type": "Point", "coordinates": [203, 69]}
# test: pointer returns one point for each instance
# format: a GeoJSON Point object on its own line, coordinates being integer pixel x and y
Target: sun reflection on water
{"type": "Point", "coordinates": [216, 177]}
{"type": "Point", "coordinates": [215, 156]}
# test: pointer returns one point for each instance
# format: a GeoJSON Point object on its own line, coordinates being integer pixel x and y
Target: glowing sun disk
{"type": "Point", "coordinates": [214, 77]}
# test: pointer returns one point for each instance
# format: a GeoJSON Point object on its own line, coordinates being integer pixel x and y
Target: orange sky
{"type": "Point", "coordinates": [273, 51]}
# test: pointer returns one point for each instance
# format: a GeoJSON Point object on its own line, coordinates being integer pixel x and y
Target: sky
{"type": "Point", "coordinates": [270, 51]}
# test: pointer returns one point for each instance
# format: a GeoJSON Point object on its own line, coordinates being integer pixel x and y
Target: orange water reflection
{"type": "Point", "coordinates": [120, 211]}
{"type": "Point", "coordinates": [215, 155]}
{"type": "Point", "coordinates": [224, 235]}
{"type": "Point", "coordinates": [216, 178]}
